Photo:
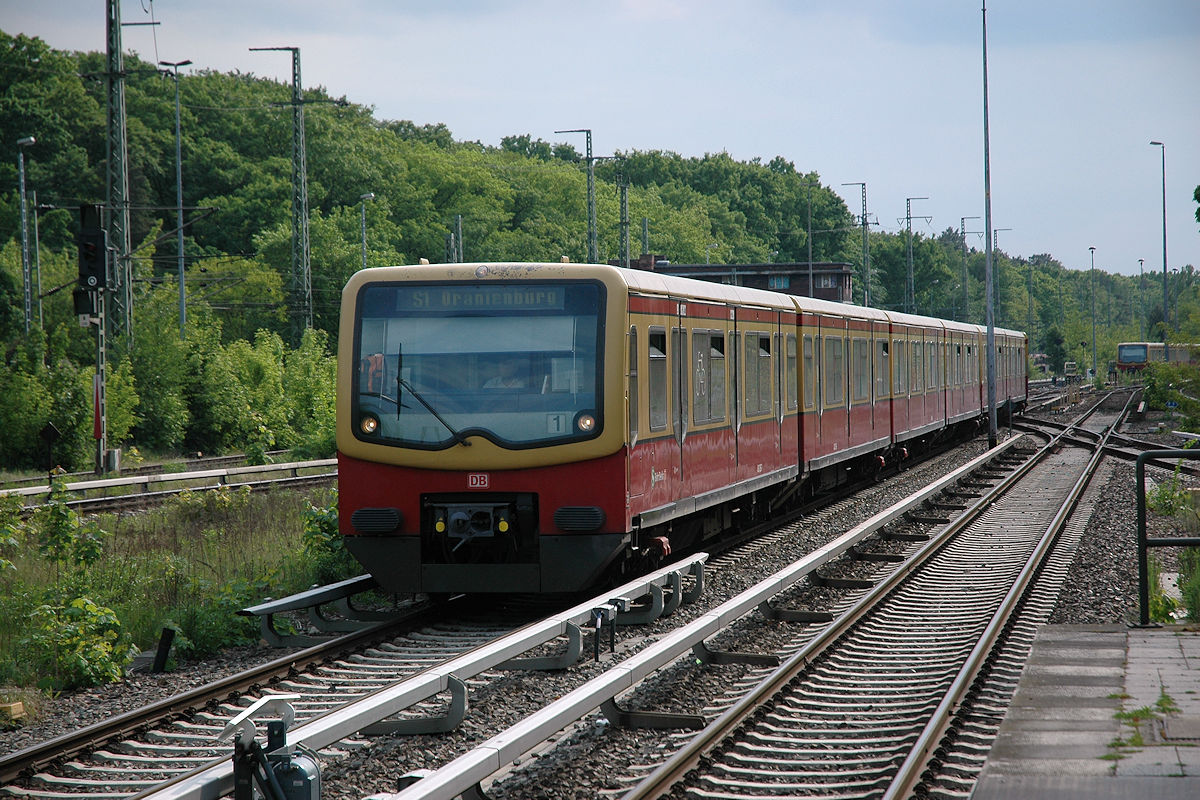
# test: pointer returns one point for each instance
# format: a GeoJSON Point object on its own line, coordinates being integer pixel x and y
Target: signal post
{"type": "Point", "coordinates": [90, 307]}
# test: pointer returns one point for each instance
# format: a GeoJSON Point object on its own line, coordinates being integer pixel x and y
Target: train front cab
{"type": "Point", "coordinates": [455, 478]}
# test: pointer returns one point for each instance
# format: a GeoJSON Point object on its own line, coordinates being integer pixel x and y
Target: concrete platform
{"type": "Point", "coordinates": [1102, 711]}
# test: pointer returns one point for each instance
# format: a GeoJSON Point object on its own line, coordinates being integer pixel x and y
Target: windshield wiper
{"type": "Point", "coordinates": [402, 384]}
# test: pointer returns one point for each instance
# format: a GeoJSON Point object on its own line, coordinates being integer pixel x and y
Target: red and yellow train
{"type": "Point", "coordinates": [537, 427]}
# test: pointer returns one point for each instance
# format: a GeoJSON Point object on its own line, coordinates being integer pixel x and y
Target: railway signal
{"type": "Point", "coordinates": [93, 249]}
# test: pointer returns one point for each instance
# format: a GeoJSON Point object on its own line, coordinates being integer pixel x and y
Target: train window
{"type": "Point", "coordinates": [633, 384]}
{"type": "Point", "coordinates": [758, 358]}
{"type": "Point", "coordinates": [810, 370]}
{"type": "Point", "coordinates": [792, 376]}
{"type": "Point", "coordinates": [900, 370]}
{"type": "Point", "coordinates": [708, 376]}
{"type": "Point", "coordinates": [861, 370]}
{"type": "Point", "coordinates": [758, 374]}
{"type": "Point", "coordinates": [916, 370]}
{"type": "Point", "coordinates": [881, 368]}
{"type": "Point", "coordinates": [658, 379]}
{"type": "Point", "coordinates": [935, 379]}
{"type": "Point", "coordinates": [835, 375]}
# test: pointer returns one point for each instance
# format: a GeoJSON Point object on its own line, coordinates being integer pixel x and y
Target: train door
{"type": "Point", "coordinates": [835, 416]}
{"type": "Point", "coordinates": [899, 358]}
{"type": "Point", "coordinates": [708, 444]}
{"type": "Point", "coordinates": [634, 486]}
{"type": "Point", "coordinates": [678, 360]}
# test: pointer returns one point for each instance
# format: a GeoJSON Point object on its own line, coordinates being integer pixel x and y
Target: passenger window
{"type": "Point", "coordinates": [881, 368]}
{"type": "Point", "coordinates": [900, 371]}
{"type": "Point", "coordinates": [862, 370]}
{"type": "Point", "coordinates": [835, 374]}
{"type": "Point", "coordinates": [764, 373]}
{"type": "Point", "coordinates": [916, 372]}
{"type": "Point", "coordinates": [708, 376]}
{"type": "Point", "coordinates": [810, 371]}
{"type": "Point", "coordinates": [658, 379]}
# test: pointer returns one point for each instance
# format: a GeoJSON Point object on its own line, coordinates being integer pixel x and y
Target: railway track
{"type": "Point", "coordinates": [43, 779]}
{"type": "Point", "coordinates": [140, 491]}
{"type": "Point", "coordinates": [70, 779]}
{"type": "Point", "coordinates": [877, 706]}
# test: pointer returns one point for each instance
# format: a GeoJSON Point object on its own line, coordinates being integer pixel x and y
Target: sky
{"type": "Point", "coordinates": [887, 92]}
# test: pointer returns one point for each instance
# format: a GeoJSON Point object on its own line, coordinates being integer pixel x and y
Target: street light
{"type": "Point", "coordinates": [1166, 344]}
{"type": "Point", "coordinates": [22, 143]}
{"type": "Point", "coordinates": [363, 198]}
{"type": "Point", "coordinates": [175, 65]}
{"type": "Point", "coordinates": [708, 250]}
{"type": "Point", "coordinates": [1092, 251]}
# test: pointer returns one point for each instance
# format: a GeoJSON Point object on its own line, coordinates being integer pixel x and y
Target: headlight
{"type": "Point", "coordinates": [586, 423]}
{"type": "Point", "coordinates": [368, 424]}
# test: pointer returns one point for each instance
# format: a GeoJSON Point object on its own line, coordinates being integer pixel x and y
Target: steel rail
{"type": "Point", "coordinates": [215, 779]}
{"type": "Point", "coordinates": [466, 771]}
{"type": "Point", "coordinates": [69, 744]}
{"type": "Point", "coordinates": [909, 773]}
{"type": "Point", "coordinates": [659, 782]}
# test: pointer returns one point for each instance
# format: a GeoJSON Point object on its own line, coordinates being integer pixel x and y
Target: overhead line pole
{"type": "Point", "coordinates": [593, 246]}
{"type": "Point", "coordinates": [175, 65]}
{"type": "Point", "coordinates": [120, 289]}
{"type": "Point", "coordinates": [866, 246]}
{"type": "Point", "coordinates": [301, 260]}
{"type": "Point", "coordinates": [909, 289]}
{"type": "Point", "coordinates": [962, 228]}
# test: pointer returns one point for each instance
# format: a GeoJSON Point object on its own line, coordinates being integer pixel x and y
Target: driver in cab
{"type": "Point", "coordinates": [508, 376]}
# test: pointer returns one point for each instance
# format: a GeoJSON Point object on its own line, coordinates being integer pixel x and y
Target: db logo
{"type": "Point", "coordinates": [477, 480]}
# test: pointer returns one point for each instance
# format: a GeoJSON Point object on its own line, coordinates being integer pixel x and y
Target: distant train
{"type": "Point", "coordinates": [1134, 356]}
{"type": "Point", "coordinates": [542, 427]}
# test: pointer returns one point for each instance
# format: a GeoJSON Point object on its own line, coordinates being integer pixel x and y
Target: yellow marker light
{"type": "Point", "coordinates": [586, 423]}
{"type": "Point", "coordinates": [502, 526]}
{"type": "Point", "coordinates": [368, 425]}
{"type": "Point", "coordinates": [440, 526]}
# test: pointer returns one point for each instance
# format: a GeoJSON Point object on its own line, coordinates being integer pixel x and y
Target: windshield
{"type": "Point", "coordinates": [1132, 353]}
{"type": "Point", "coordinates": [517, 363]}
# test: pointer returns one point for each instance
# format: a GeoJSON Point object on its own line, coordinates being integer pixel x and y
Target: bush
{"type": "Point", "coordinates": [77, 644]}
{"type": "Point", "coordinates": [324, 546]}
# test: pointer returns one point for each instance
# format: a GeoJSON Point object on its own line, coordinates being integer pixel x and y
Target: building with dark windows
{"type": "Point", "coordinates": [832, 279]}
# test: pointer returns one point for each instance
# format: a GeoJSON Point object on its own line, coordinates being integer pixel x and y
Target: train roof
{"type": "Point", "coordinates": [673, 285]}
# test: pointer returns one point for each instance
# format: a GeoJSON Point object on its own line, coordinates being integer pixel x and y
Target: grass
{"type": "Point", "coordinates": [189, 564]}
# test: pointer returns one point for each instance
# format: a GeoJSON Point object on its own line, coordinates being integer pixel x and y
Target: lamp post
{"type": "Point", "coordinates": [707, 251]}
{"type": "Point", "coordinates": [363, 198]}
{"type": "Point", "coordinates": [1166, 344]}
{"type": "Point", "coordinates": [1092, 252]}
{"type": "Point", "coordinates": [175, 65]}
{"type": "Point", "coordinates": [22, 143]}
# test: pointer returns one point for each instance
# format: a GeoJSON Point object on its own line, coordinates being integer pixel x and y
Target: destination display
{"type": "Point", "coordinates": [443, 299]}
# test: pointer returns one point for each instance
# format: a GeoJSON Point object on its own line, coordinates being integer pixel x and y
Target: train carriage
{"type": "Point", "coordinates": [536, 427]}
